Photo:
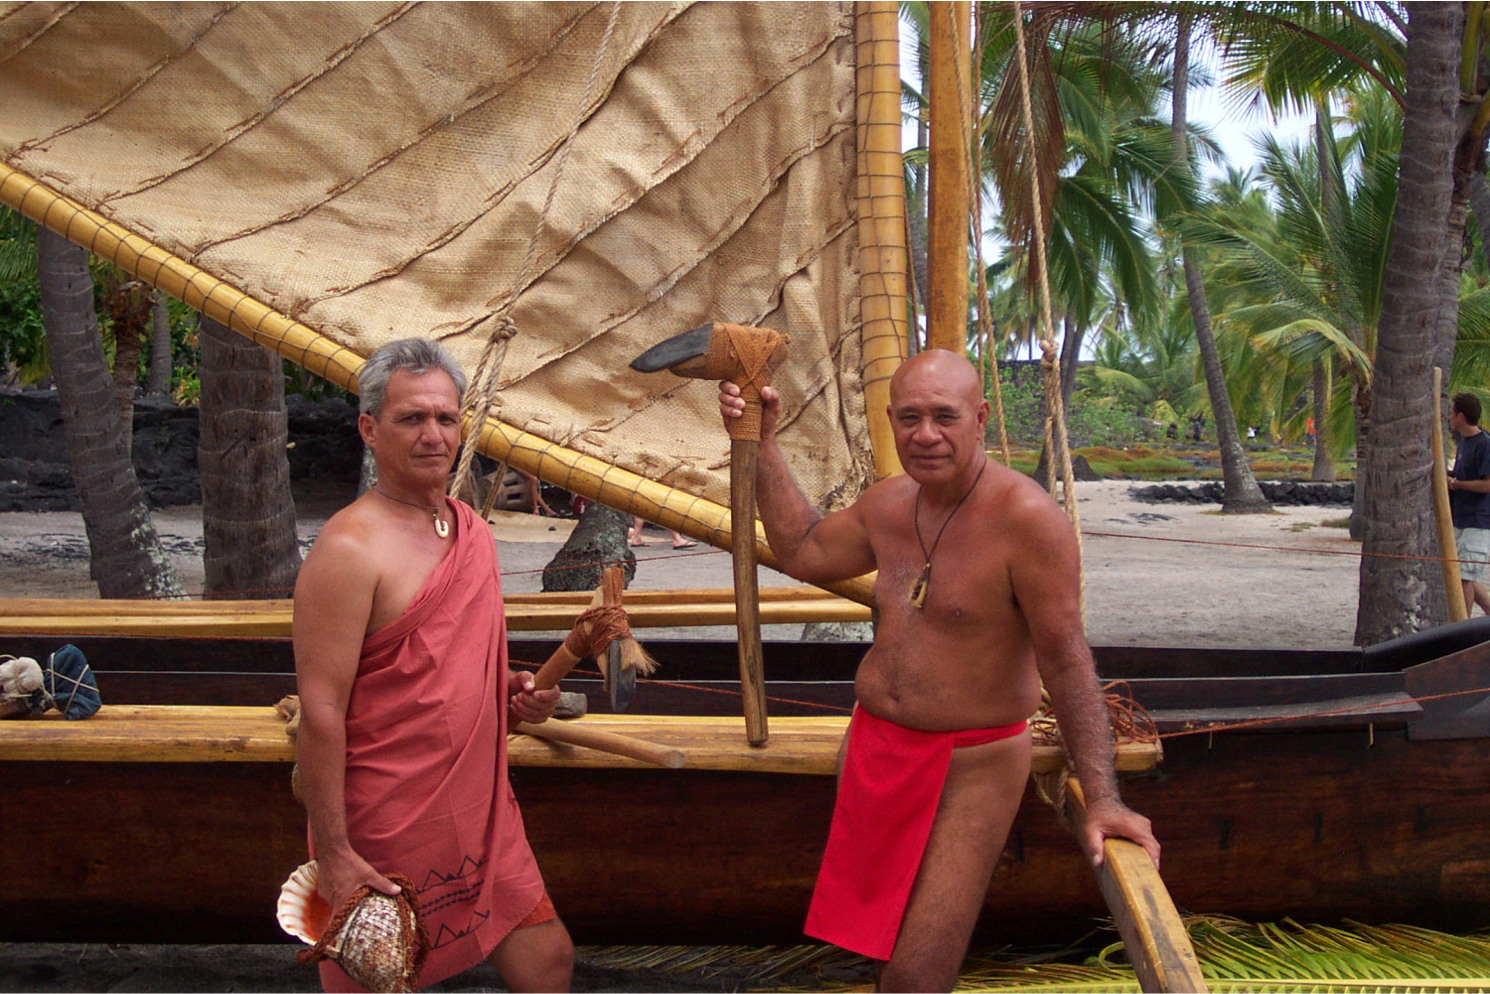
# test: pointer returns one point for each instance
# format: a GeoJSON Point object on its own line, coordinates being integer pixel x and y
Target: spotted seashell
{"type": "Point", "coordinates": [374, 946]}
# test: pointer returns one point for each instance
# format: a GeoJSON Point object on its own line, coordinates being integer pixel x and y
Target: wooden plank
{"type": "Point", "coordinates": [186, 734]}
{"type": "Point", "coordinates": [1158, 946]}
{"type": "Point", "coordinates": [44, 607]}
{"type": "Point", "coordinates": [520, 618]}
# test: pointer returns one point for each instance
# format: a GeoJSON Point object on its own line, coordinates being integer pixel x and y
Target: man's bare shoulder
{"type": "Point", "coordinates": [886, 493]}
{"type": "Point", "coordinates": [344, 546]}
{"type": "Point", "coordinates": [1027, 509]}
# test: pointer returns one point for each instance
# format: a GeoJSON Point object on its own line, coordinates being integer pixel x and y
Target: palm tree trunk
{"type": "Point", "coordinates": [1403, 595]}
{"type": "Point", "coordinates": [127, 557]}
{"type": "Point", "coordinates": [159, 380]}
{"type": "Point", "coordinates": [1323, 470]}
{"type": "Point", "coordinates": [1479, 200]}
{"type": "Point", "coordinates": [1240, 493]}
{"type": "Point", "coordinates": [1324, 466]}
{"type": "Point", "coordinates": [248, 516]}
{"type": "Point", "coordinates": [128, 304]}
{"type": "Point", "coordinates": [1049, 466]}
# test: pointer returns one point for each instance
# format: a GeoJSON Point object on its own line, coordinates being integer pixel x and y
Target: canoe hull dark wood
{"type": "Point", "coordinates": [1360, 815]}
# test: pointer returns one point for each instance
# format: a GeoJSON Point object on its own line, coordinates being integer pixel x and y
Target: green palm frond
{"type": "Point", "coordinates": [17, 247]}
{"type": "Point", "coordinates": [1234, 956]}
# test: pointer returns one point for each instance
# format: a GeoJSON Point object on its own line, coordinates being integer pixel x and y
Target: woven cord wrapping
{"type": "Point", "coordinates": [597, 627]}
{"type": "Point", "coordinates": [412, 934]}
{"type": "Point", "coordinates": [742, 355]}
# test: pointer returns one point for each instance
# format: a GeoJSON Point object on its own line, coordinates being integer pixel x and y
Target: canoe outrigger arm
{"type": "Point", "coordinates": [744, 355]}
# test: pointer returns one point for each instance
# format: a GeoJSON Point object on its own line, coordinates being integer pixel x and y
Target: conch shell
{"type": "Point", "coordinates": [376, 939]}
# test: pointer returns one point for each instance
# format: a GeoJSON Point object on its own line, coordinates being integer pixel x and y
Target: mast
{"type": "Point", "coordinates": [947, 206]}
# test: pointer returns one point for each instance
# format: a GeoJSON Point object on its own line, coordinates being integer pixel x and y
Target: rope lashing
{"type": "Point", "coordinates": [748, 350]}
{"type": "Point", "coordinates": [595, 629]}
{"type": "Point", "coordinates": [1055, 418]}
{"type": "Point", "coordinates": [481, 393]}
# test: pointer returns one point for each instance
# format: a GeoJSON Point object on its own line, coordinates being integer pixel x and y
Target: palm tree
{"type": "Point", "coordinates": [1240, 492]}
{"type": "Point", "coordinates": [1110, 168]}
{"type": "Point", "coordinates": [248, 516]}
{"type": "Point", "coordinates": [1402, 595]}
{"type": "Point", "coordinates": [1306, 291]}
{"type": "Point", "coordinates": [127, 557]}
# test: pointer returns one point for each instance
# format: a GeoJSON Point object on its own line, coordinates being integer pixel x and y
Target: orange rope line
{"type": "Point", "coordinates": [700, 689]}
{"type": "Point", "coordinates": [1360, 553]}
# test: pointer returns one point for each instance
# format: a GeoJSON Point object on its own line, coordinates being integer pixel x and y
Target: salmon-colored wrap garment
{"type": "Point", "coordinates": [427, 792]}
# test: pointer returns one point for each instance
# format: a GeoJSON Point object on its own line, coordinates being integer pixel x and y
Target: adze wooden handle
{"type": "Point", "coordinates": [575, 734]}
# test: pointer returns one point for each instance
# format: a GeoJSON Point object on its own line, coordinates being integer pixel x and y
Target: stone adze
{"type": "Point", "coordinates": [743, 355]}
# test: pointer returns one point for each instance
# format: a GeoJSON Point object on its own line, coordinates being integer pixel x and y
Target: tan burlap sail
{"type": "Point", "coordinates": [376, 170]}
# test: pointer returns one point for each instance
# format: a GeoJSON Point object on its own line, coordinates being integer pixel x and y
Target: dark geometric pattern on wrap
{"type": "Point", "coordinates": [742, 355]}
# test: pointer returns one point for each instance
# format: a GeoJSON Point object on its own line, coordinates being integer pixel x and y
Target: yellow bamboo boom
{"type": "Point", "coordinates": [946, 244]}
{"type": "Point", "coordinates": [43, 607]}
{"type": "Point", "coordinates": [138, 733]}
{"type": "Point", "coordinates": [271, 619]}
{"type": "Point", "coordinates": [883, 259]}
{"type": "Point", "coordinates": [1443, 518]}
{"type": "Point", "coordinates": [302, 345]}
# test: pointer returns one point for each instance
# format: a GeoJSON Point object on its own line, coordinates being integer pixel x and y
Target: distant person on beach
{"type": "Point", "coordinates": [634, 535]}
{"type": "Point", "coordinates": [401, 659]}
{"type": "Point", "coordinates": [978, 598]}
{"type": "Point", "coordinates": [1469, 499]}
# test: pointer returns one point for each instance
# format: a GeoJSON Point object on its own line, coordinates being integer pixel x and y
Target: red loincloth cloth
{"type": "Point", "coordinates": [427, 793]}
{"type": "Point", "coordinates": [887, 800]}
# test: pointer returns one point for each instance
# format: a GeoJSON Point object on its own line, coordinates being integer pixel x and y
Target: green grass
{"type": "Point", "coordinates": [1167, 461]}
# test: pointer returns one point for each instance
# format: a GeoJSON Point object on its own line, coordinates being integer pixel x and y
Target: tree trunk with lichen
{"type": "Point", "coordinates": [248, 515]}
{"type": "Point", "coordinates": [127, 557]}
{"type": "Point", "coordinates": [1401, 584]}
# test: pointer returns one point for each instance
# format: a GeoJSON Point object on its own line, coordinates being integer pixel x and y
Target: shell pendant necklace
{"type": "Point", "coordinates": [918, 589]}
{"type": "Point", "coordinates": [442, 528]}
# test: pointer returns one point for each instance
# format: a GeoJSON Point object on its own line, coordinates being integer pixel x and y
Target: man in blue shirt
{"type": "Point", "coordinates": [1469, 498]}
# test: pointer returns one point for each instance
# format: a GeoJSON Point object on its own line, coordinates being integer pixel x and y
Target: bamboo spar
{"type": "Point", "coordinates": [946, 240]}
{"type": "Point", "coordinates": [883, 258]}
{"type": "Point", "coordinates": [1443, 518]}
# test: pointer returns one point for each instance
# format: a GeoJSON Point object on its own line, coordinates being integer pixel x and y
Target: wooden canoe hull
{"type": "Point", "coordinates": [1318, 826]}
{"type": "Point", "coordinates": [1321, 814]}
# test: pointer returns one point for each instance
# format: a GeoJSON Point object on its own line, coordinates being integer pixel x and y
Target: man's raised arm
{"type": "Point", "coordinates": [333, 601]}
{"type": "Point", "coordinates": [1046, 576]}
{"type": "Point", "coordinates": [809, 546]}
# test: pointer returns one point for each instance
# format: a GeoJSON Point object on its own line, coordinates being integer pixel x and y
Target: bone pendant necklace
{"type": "Point", "coordinates": [918, 589]}
{"type": "Point", "coordinates": [442, 528]}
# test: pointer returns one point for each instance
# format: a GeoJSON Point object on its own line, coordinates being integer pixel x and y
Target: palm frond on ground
{"type": "Point", "coordinates": [1237, 957]}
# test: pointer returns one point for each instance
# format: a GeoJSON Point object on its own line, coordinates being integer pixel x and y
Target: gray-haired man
{"type": "Point", "coordinates": [401, 659]}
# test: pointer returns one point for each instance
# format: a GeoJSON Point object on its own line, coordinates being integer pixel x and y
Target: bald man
{"type": "Point", "coordinates": [977, 600]}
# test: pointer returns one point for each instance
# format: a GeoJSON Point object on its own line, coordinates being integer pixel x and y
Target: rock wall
{"type": "Point", "coordinates": [1278, 491]}
{"type": "Point", "coordinates": [325, 451]}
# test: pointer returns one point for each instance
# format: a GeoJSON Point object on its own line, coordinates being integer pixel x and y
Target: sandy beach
{"type": "Point", "coordinates": [1156, 574]}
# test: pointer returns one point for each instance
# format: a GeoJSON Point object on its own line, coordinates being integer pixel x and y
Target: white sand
{"type": "Point", "coordinates": [1139, 591]}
